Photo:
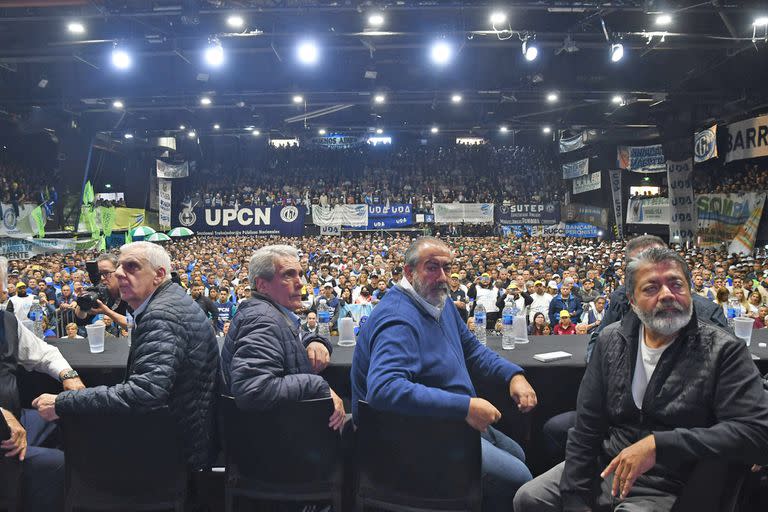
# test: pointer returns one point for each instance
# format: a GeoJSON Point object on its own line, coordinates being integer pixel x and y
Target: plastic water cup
{"type": "Point", "coordinates": [346, 332]}
{"type": "Point", "coordinates": [95, 338]}
{"type": "Point", "coordinates": [742, 325]}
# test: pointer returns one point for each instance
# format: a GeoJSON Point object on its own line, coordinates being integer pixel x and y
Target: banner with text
{"type": "Point", "coordinates": [280, 220]}
{"type": "Point", "coordinates": [125, 218]}
{"type": "Point", "coordinates": [747, 139]}
{"type": "Point", "coordinates": [648, 210]}
{"type": "Point", "coordinates": [17, 222]}
{"type": "Point", "coordinates": [393, 216]}
{"type": "Point", "coordinates": [682, 212]}
{"type": "Point", "coordinates": [575, 212]}
{"type": "Point", "coordinates": [166, 170]}
{"type": "Point", "coordinates": [592, 181]}
{"type": "Point", "coordinates": [575, 169]}
{"type": "Point", "coordinates": [644, 159]}
{"type": "Point", "coordinates": [25, 248]}
{"type": "Point", "coordinates": [614, 175]}
{"type": "Point", "coordinates": [577, 230]}
{"type": "Point", "coordinates": [164, 204]}
{"type": "Point", "coordinates": [330, 230]}
{"type": "Point", "coordinates": [705, 145]}
{"type": "Point", "coordinates": [571, 143]}
{"type": "Point", "coordinates": [355, 215]}
{"type": "Point", "coordinates": [457, 213]}
{"type": "Point", "coordinates": [732, 218]}
{"type": "Point", "coordinates": [528, 213]}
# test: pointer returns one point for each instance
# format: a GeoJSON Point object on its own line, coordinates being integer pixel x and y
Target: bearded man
{"type": "Point", "coordinates": [415, 356]}
{"type": "Point", "coordinates": [663, 391]}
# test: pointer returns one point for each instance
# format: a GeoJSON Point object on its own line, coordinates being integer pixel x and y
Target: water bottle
{"type": "Point", "coordinates": [507, 319]}
{"type": "Point", "coordinates": [323, 319]}
{"type": "Point", "coordinates": [129, 326]}
{"type": "Point", "coordinates": [733, 310]}
{"type": "Point", "coordinates": [480, 323]}
{"type": "Point", "coordinates": [36, 315]}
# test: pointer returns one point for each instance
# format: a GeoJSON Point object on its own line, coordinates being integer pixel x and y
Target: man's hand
{"type": "Point", "coordinates": [46, 406]}
{"type": "Point", "coordinates": [319, 356]}
{"type": "Point", "coordinates": [336, 421]}
{"type": "Point", "coordinates": [17, 443]}
{"type": "Point", "coordinates": [100, 309]}
{"type": "Point", "coordinates": [629, 464]}
{"type": "Point", "coordinates": [481, 414]}
{"type": "Point", "coordinates": [522, 393]}
{"type": "Point", "coordinates": [460, 304]}
{"type": "Point", "coordinates": [71, 384]}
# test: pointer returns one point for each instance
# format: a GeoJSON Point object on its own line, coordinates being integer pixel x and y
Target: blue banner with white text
{"type": "Point", "coordinates": [393, 216]}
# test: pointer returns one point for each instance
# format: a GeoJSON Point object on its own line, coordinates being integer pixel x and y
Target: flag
{"type": "Point", "coordinates": [107, 219]}
{"type": "Point", "coordinates": [37, 218]}
{"type": "Point", "coordinates": [128, 237]}
{"type": "Point", "coordinates": [88, 193]}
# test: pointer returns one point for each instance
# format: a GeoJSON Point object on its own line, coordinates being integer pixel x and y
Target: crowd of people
{"type": "Point", "coordinates": [19, 183]}
{"type": "Point", "coordinates": [740, 177]}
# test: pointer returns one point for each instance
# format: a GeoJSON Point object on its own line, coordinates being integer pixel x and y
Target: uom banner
{"type": "Point", "coordinates": [705, 145]}
{"type": "Point", "coordinates": [25, 248]}
{"type": "Point", "coordinates": [575, 169]}
{"type": "Point", "coordinates": [747, 139]}
{"type": "Point", "coordinates": [649, 210]}
{"type": "Point", "coordinates": [355, 215]}
{"type": "Point", "coordinates": [732, 218]}
{"type": "Point", "coordinates": [592, 181]}
{"type": "Point", "coordinates": [470, 213]}
{"type": "Point", "coordinates": [644, 159]}
{"type": "Point", "coordinates": [283, 220]}
{"type": "Point", "coordinates": [166, 170]}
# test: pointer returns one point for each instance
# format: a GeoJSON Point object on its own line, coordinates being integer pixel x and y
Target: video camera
{"type": "Point", "coordinates": [87, 300]}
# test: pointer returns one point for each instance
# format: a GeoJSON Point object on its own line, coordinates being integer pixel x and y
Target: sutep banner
{"type": "Point", "coordinates": [283, 220]}
{"type": "Point", "coordinates": [528, 213]}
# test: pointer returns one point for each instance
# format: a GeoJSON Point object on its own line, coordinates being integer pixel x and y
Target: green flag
{"type": "Point", "coordinates": [107, 219]}
{"type": "Point", "coordinates": [88, 193]}
{"type": "Point", "coordinates": [103, 243]}
{"type": "Point", "coordinates": [39, 219]}
{"type": "Point", "coordinates": [128, 237]}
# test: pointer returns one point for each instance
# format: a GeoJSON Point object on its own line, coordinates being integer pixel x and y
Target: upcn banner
{"type": "Point", "coordinates": [528, 213]}
{"type": "Point", "coordinates": [732, 218]}
{"type": "Point", "coordinates": [393, 216]}
{"type": "Point", "coordinates": [283, 220]}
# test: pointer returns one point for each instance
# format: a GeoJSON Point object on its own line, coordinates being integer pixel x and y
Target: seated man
{"type": "Point", "coordinates": [415, 356]}
{"type": "Point", "coordinates": [662, 391]}
{"type": "Point", "coordinates": [173, 362]}
{"type": "Point", "coordinates": [266, 357]}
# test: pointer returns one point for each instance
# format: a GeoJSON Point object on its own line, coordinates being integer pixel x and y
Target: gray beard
{"type": "Point", "coordinates": [665, 324]}
{"type": "Point", "coordinates": [436, 298]}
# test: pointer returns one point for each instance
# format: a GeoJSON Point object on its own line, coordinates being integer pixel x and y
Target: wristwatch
{"type": "Point", "coordinates": [69, 374]}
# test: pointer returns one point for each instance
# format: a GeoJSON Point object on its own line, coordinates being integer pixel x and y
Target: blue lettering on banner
{"type": "Point", "coordinates": [280, 220]}
{"type": "Point", "coordinates": [393, 216]}
{"type": "Point", "coordinates": [581, 230]}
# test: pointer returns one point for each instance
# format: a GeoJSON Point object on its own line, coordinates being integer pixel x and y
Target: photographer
{"type": "Point", "coordinates": [106, 289]}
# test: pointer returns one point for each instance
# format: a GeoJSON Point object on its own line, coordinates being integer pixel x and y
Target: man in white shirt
{"type": "Point", "coordinates": [22, 301]}
{"type": "Point", "coordinates": [43, 468]}
{"type": "Point", "coordinates": [541, 300]}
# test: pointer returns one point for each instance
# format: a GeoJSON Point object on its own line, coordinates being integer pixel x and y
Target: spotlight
{"type": "Point", "coordinates": [498, 17]}
{"type": "Point", "coordinates": [182, 127]}
{"type": "Point", "coordinates": [128, 136]}
{"type": "Point", "coordinates": [434, 129]}
{"type": "Point", "coordinates": [441, 53]}
{"type": "Point", "coordinates": [76, 27]}
{"type": "Point", "coordinates": [552, 97]}
{"type": "Point", "coordinates": [379, 131]}
{"type": "Point", "coordinates": [321, 131]}
{"type": "Point", "coordinates": [117, 104]}
{"type": "Point", "coordinates": [205, 101]}
{"type": "Point", "coordinates": [617, 52]}
{"type": "Point", "coordinates": [235, 21]}
{"type": "Point", "coordinates": [217, 126]}
{"type": "Point", "coordinates": [618, 100]}
{"type": "Point", "coordinates": [456, 98]}
{"type": "Point", "coordinates": [376, 20]}
{"type": "Point", "coordinates": [762, 21]}
{"type": "Point", "coordinates": [214, 54]}
{"type": "Point", "coordinates": [256, 133]}
{"type": "Point", "coordinates": [192, 134]}
{"type": "Point", "coordinates": [121, 59]}
{"type": "Point", "coordinates": [530, 51]}
{"type": "Point", "coordinates": [249, 128]}
{"type": "Point", "coordinates": [379, 98]}
{"type": "Point", "coordinates": [298, 99]}
{"type": "Point", "coordinates": [663, 20]}
{"type": "Point", "coordinates": [546, 130]}
{"type": "Point", "coordinates": [307, 53]}
{"type": "Point", "coordinates": [504, 129]}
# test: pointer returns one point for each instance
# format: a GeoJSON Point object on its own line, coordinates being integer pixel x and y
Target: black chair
{"type": "Point", "coordinates": [131, 462]}
{"type": "Point", "coordinates": [10, 484]}
{"type": "Point", "coordinates": [714, 486]}
{"type": "Point", "coordinates": [284, 454]}
{"type": "Point", "coordinates": [410, 464]}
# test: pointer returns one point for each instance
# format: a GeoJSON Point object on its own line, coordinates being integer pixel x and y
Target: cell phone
{"type": "Point", "coordinates": [5, 430]}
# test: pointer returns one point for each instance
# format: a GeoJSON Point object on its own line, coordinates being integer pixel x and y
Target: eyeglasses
{"type": "Point", "coordinates": [106, 274]}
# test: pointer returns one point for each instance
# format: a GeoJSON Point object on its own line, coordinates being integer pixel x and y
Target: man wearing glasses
{"type": "Point", "coordinates": [116, 308]}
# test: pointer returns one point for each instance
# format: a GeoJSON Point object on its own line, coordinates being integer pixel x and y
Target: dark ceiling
{"type": "Point", "coordinates": [707, 63]}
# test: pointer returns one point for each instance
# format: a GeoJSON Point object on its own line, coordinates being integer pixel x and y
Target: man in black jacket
{"type": "Point", "coordinates": [662, 392]}
{"type": "Point", "coordinates": [173, 361]}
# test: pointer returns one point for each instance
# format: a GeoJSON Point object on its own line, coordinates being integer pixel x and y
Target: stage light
{"type": "Point", "coordinates": [107, 185]}
{"type": "Point", "coordinates": [663, 20]}
{"type": "Point", "coordinates": [117, 104]}
{"type": "Point", "coordinates": [504, 129]}
{"type": "Point", "coordinates": [307, 53]}
{"type": "Point", "coordinates": [498, 17]}
{"type": "Point", "coordinates": [379, 98]}
{"type": "Point", "coordinates": [434, 129]}
{"type": "Point", "coordinates": [76, 27]}
{"type": "Point", "coordinates": [182, 127]}
{"type": "Point", "coordinates": [441, 52]}
{"type": "Point", "coordinates": [249, 128]}
{"type": "Point", "coordinates": [456, 98]}
{"type": "Point", "coordinates": [214, 53]}
{"type": "Point", "coordinates": [235, 21]}
{"type": "Point", "coordinates": [530, 51]}
{"type": "Point", "coordinates": [379, 131]}
{"type": "Point", "coordinates": [205, 101]}
{"type": "Point", "coordinates": [128, 136]}
{"type": "Point", "coordinates": [546, 130]}
{"type": "Point", "coordinates": [192, 134]}
{"type": "Point", "coordinates": [762, 21]}
{"type": "Point", "coordinates": [298, 99]}
{"type": "Point", "coordinates": [256, 133]}
{"type": "Point", "coordinates": [618, 100]}
{"type": "Point", "coordinates": [617, 52]}
{"type": "Point", "coordinates": [217, 127]}
{"type": "Point", "coordinates": [376, 20]}
{"type": "Point", "coordinates": [321, 131]}
{"type": "Point", "coordinates": [552, 97]}
{"type": "Point", "coordinates": [121, 59]}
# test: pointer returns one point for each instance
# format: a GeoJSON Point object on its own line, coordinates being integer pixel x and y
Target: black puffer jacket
{"type": "Point", "coordinates": [705, 400]}
{"type": "Point", "coordinates": [173, 362]}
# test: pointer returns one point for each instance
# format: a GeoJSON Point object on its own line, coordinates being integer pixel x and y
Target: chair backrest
{"type": "Point", "coordinates": [123, 454]}
{"type": "Point", "coordinates": [286, 445]}
{"type": "Point", "coordinates": [714, 486]}
{"type": "Point", "coordinates": [423, 461]}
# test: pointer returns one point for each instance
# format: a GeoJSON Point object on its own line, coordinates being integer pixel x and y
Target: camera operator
{"type": "Point", "coordinates": [109, 303]}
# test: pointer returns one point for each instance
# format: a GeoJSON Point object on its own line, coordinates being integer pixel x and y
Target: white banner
{"type": "Point", "coordinates": [747, 139]}
{"type": "Point", "coordinates": [614, 175]}
{"type": "Point", "coordinates": [340, 215]}
{"type": "Point", "coordinates": [575, 169]}
{"type": "Point", "coordinates": [470, 213]}
{"type": "Point", "coordinates": [732, 218]}
{"type": "Point", "coordinates": [17, 223]}
{"type": "Point", "coordinates": [641, 158]}
{"type": "Point", "coordinates": [682, 211]}
{"type": "Point", "coordinates": [165, 170]}
{"type": "Point", "coordinates": [705, 145]}
{"type": "Point", "coordinates": [650, 210]}
{"type": "Point", "coordinates": [25, 248]}
{"type": "Point", "coordinates": [164, 196]}
{"type": "Point", "coordinates": [586, 183]}
{"type": "Point", "coordinates": [572, 143]}
{"type": "Point", "coordinates": [330, 230]}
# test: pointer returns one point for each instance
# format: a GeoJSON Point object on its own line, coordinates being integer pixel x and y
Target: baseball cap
{"type": "Point", "coordinates": [565, 314]}
{"type": "Point", "coordinates": [552, 284]}
{"type": "Point", "coordinates": [485, 275]}
{"type": "Point", "coordinates": [538, 282]}
{"type": "Point", "coordinates": [327, 285]}
{"type": "Point", "coordinates": [21, 284]}
{"type": "Point", "coordinates": [512, 286]}
{"type": "Point", "coordinates": [454, 276]}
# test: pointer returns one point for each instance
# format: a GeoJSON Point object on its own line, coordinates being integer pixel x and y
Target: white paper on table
{"type": "Point", "coordinates": [552, 356]}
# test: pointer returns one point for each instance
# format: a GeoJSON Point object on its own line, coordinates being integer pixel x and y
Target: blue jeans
{"type": "Point", "coordinates": [504, 470]}
{"type": "Point", "coordinates": [42, 486]}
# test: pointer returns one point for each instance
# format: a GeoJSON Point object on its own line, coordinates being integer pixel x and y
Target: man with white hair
{"type": "Point", "coordinates": [173, 361]}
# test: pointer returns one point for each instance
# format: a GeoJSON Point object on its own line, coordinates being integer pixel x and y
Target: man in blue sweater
{"type": "Point", "coordinates": [415, 356]}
